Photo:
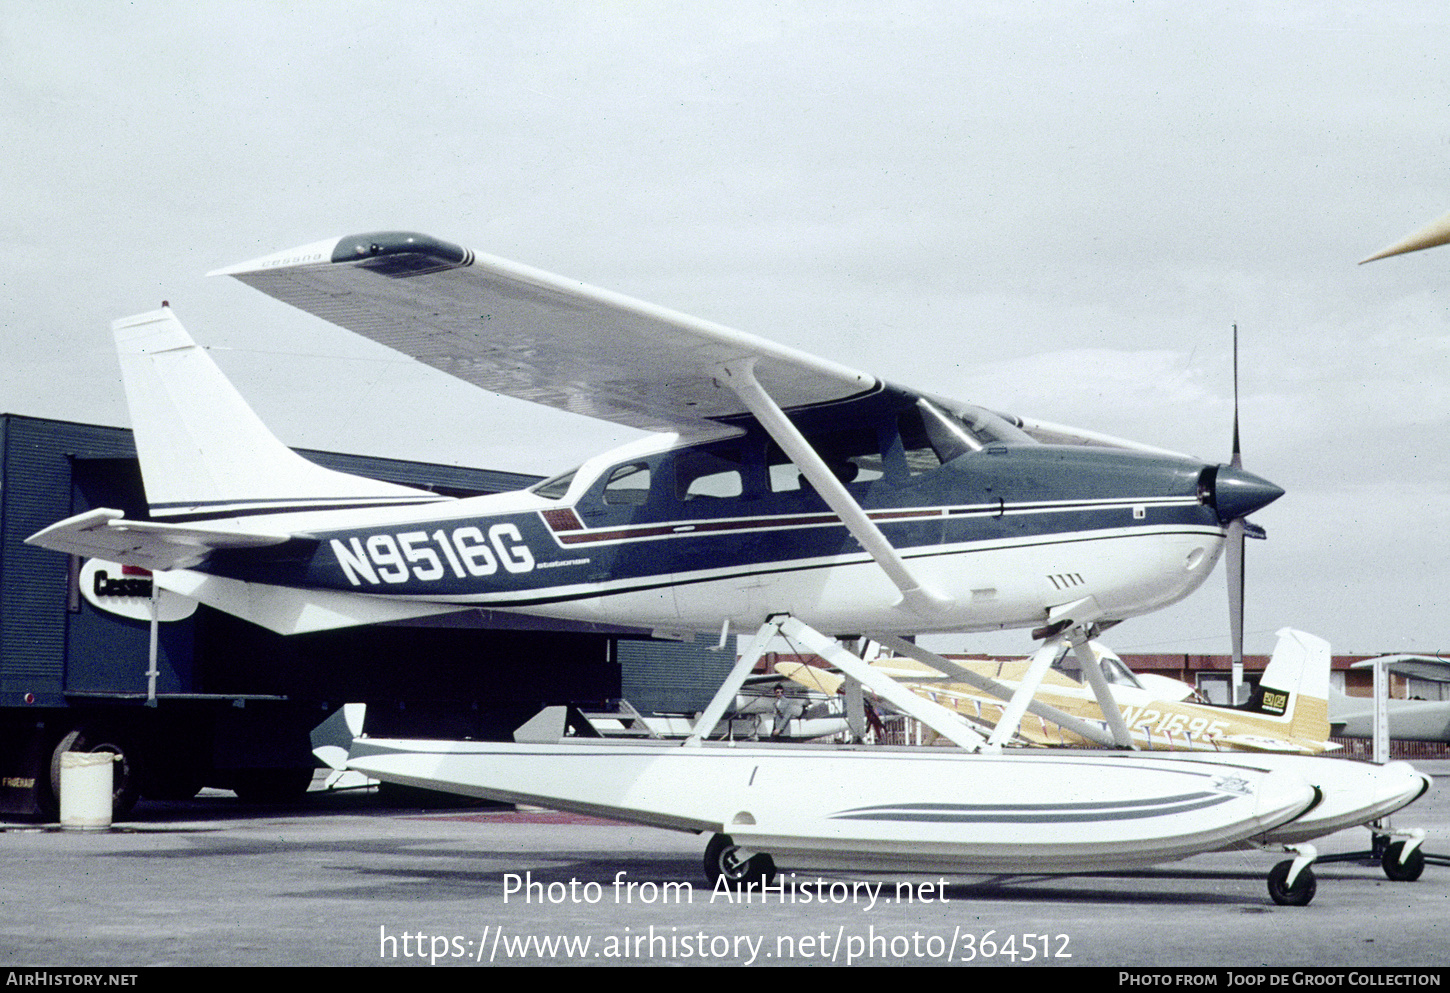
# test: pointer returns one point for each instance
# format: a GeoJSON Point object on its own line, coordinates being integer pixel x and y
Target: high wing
{"type": "Point", "coordinates": [1427, 667]}
{"type": "Point", "coordinates": [540, 337]}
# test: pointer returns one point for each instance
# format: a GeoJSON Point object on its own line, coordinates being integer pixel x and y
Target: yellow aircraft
{"type": "Point", "coordinates": [1288, 713]}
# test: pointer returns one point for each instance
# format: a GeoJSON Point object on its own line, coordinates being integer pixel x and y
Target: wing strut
{"type": "Point", "coordinates": [739, 376]}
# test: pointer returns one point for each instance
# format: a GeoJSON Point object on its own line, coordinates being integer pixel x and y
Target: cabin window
{"type": "Point", "coordinates": [715, 474]}
{"type": "Point", "coordinates": [854, 456]}
{"type": "Point", "coordinates": [784, 476]}
{"type": "Point", "coordinates": [628, 485]}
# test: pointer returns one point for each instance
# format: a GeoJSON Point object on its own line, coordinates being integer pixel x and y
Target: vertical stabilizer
{"type": "Point", "coordinates": [204, 453]}
{"type": "Point", "coordinates": [1296, 684]}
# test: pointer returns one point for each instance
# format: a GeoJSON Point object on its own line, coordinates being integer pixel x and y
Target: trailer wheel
{"type": "Point", "coordinates": [1297, 895]}
{"type": "Point", "coordinates": [1402, 872]}
{"type": "Point", "coordinates": [126, 781]}
{"type": "Point", "coordinates": [722, 860]}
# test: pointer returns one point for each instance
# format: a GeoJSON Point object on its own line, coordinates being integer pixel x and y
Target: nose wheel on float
{"type": "Point", "coordinates": [1402, 860]}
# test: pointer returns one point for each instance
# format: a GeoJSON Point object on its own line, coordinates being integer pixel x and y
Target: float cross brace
{"type": "Point", "coordinates": [942, 720]}
{"type": "Point", "coordinates": [1054, 646]}
{"type": "Point", "coordinates": [1122, 737]}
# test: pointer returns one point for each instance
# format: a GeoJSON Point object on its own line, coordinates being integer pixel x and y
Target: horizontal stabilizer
{"type": "Point", "coordinates": [1428, 667]}
{"type": "Point", "coordinates": [287, 610]}
{"type": "Point", "coordinates": [106, 534]}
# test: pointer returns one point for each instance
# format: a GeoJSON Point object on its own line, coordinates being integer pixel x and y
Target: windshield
{"type": "Point", "coordinates": [1114, 671]}
{"type": "Point", "coordinates": [982, 425]}
{"type": "Point", "coordinates": [933, 434]}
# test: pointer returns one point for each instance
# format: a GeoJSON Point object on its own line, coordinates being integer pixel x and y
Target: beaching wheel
{"type": "Point", "coordinates": [1297, 895]}
{"type": "Point", "coordinates": [1402, 871]}
{"type": "Point", "coordinates": [723, 860]}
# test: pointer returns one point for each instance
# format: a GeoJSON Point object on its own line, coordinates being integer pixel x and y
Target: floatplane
{"type": "Point", "coordinates": [778, 493]}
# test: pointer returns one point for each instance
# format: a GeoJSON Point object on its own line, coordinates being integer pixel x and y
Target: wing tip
{"type": "Point", "coordinates": [393, 253]}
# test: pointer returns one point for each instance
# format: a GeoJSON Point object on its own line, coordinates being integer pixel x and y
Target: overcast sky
{"type": "Point", "coordinates": [1055, 209]}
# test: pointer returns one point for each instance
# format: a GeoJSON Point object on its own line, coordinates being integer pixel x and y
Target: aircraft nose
{"type": "Point", "coordinates": [1234, 493]}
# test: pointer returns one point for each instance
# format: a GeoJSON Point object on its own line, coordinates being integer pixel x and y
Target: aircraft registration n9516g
{"type": "Point", "coordinates": [781, 493]}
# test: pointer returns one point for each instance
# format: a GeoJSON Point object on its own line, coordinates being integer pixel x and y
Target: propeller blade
{"type": "Point", "coordinates": [1237, 461]}
{"type": "Point", "coordinates": [1235, 566]}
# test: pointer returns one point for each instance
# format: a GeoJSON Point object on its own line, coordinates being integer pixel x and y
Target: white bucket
{"type": "Point", "coordinates": [86, 781]}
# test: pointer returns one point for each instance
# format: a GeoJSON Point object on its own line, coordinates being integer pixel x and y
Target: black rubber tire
{"type": "Point", "coordinates": [1402, 872]}
{"type": "Point", "coordinates": [722, 861]}
{"type": "Point", "coordinates": [126, 776]}
{"type": "Point", "coordinates": [1299, 894]}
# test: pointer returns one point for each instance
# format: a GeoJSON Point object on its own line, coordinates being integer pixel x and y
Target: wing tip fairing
{"type": "Point", "coordinates": [391, 253]}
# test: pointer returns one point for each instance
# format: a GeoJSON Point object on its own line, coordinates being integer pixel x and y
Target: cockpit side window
{"type": "Point", "coordinates": [628, 485]}
{"type": "Point", "coordinates": [1114, 671]}
{"type": "Point", "coordinates": [784, 476]}
{"type": "Point", "coordinates": [1117, 672]}
{"type": "Point", "coordinates": [715, 474]}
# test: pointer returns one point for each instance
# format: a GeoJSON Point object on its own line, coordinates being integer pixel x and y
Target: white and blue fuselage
{"type": "Point", "coordinates": [664, 534]}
